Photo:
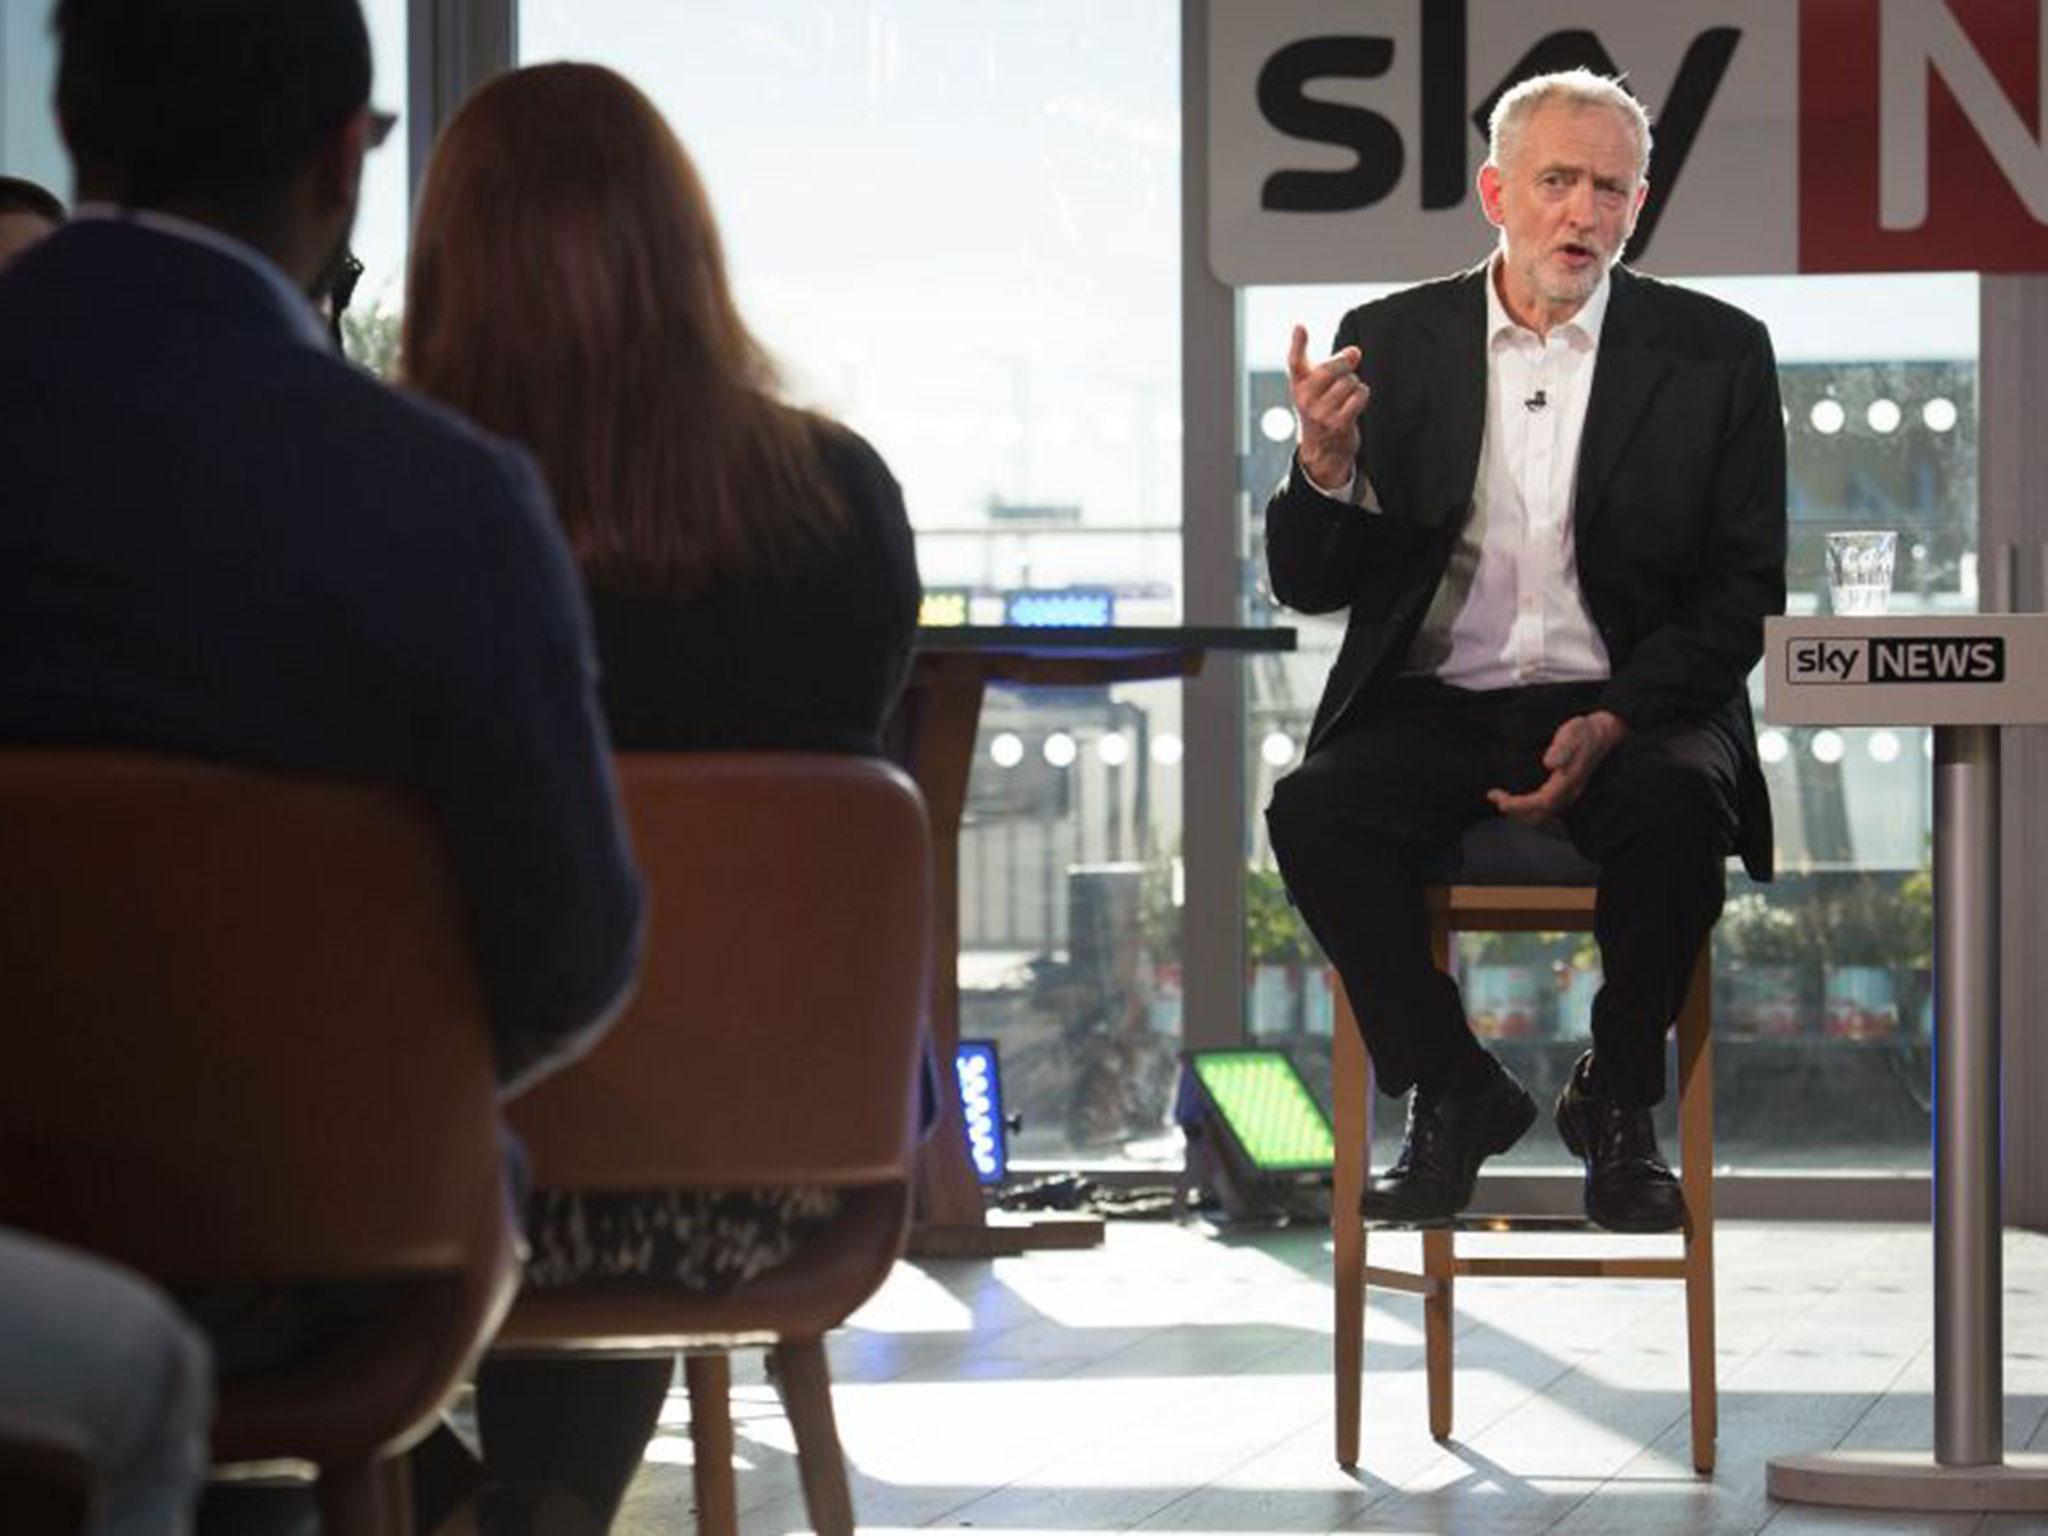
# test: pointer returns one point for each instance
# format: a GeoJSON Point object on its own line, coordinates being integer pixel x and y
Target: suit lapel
{"type": "Point", "coordinates": [1457, 383]}
{"type": "Point", "coordinates": [1627, 374]}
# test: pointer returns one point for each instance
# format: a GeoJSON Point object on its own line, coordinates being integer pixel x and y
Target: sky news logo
{"type": "Point", "coordinates": [1897, 659]}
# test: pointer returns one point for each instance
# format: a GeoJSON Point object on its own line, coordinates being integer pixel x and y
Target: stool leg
{"type": "Point", "coordinates": [356, 1500]}
{"type": "Point", "coordinates": [1696, 1175]}
{"type": "Point", "coordinates": [709, 1379]}
{"type": "Point", "coordinates": [821, 1464]}
{"type": "Point", "coordinates": [1439, 1263]}
{"type": "Point", "coordinates": [1350, 1103]}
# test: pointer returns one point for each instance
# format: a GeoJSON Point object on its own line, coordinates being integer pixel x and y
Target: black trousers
{"type": "Point", "coordinates": [1351, 825]}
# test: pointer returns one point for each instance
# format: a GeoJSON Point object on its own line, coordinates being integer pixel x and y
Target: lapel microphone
{"type": "Point", "coordinates": [1536, 402]}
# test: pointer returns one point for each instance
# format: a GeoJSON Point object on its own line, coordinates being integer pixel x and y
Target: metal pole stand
{"type": "Point", "coordinates": [1968, 1469]}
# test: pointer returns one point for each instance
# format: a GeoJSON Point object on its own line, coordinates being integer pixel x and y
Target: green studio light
{"type": "Point", "coordinates": [1255, 1132]}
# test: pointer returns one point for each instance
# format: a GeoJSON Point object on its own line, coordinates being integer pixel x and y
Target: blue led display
{"type": "Point", "coordinates": [981, 1109]}
{"type": "Point", "coordinates": [1061, 607]}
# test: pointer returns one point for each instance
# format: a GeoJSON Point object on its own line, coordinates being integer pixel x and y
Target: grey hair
{"type": "Point", "coordinates": [1568, 87]}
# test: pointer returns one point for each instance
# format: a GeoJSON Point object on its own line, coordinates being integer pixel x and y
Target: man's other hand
{"type": "Point", "coordinates": [1574, 752]}
{"type": "Point", "coordinates": [1327, 401]}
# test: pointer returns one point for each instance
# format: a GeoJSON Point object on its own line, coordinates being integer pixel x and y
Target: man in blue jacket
{"type": "Point", "coordinates": [220, 539]}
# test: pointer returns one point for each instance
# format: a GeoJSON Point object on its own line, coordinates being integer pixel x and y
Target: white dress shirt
{"type": "Point", "coordinates": [1509, 611]}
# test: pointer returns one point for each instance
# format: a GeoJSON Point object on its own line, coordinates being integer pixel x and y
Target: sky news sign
{"type": "Point", "coordinates": [1791, 135]}
{"type": "Point", "coordinates": [1896, 659]}
{"type": "Point", "coordinates": [1907, 669]}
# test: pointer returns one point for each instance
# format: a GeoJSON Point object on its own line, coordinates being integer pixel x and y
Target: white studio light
{"type": "Point", "coordinates": [1827, 417]}
{"type": "Point", "coordinates": [1114, 749]}
{"type": "Point", "coordinates": [1883, 746]}
{"type": "Point", "coordinates": [1060, 750]}
{"type": "Point", "coordinates": [1276, 423]}
{"type": "Point", "coordinates": [1884, 415]}
{"type": "Point", "coordinates": [1772, 746]}
{"type": "Point", "coordinates": [1828, 746]}
{"type": "Point", "coordinates": [1007, 750]}
{"type": "Point", "coordinates": [1939, 414]}
{"type": "Point", "coordinates": [1277, 749]}
{"type": "Point", "coordinates": [1168, 750]}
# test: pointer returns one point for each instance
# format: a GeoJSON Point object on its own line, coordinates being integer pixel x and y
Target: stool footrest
{"type": "Point", "coordinates": [1541, 1268]}
{"type": "Point", "coordinates": [1401, 1280]}
{"type": "Point", "coordinates": [1565, 1226]}
{"type": "Point", "coordinates": [1617, 1268]}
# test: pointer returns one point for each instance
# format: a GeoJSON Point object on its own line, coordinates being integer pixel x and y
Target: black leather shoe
{"type": "Point", "coordinates": [1629, 1186]}
{"type": "Point", "coordinates": [1450, 1134]}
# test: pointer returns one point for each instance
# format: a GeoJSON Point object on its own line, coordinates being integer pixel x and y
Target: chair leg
{"type": "Point", "coordinates": [1439, 1264]}
{"type": "Point", "coordinates": [1696, 1175]}
{"type": "Point", "coordinates": [709, 1379]}
{"type": "Point", "coordinates": [394, 1487]}
{"type": "Point", "coordinates": [371, 1499]}
{"type": "Point", "coordinates": [1349, 1103]}
{"type": "Point", "coordinates": [807, 1389]}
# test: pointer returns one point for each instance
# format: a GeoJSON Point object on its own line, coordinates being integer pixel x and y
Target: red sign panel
{"type": "Point", "coordinates": [1920, 142]}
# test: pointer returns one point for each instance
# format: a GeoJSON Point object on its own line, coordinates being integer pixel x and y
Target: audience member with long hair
{"type": "Point", "coordinates": [751, 576]}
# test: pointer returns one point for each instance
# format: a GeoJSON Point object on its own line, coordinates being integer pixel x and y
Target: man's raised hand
{"type": "Point", "coordinates": [1327, 401]}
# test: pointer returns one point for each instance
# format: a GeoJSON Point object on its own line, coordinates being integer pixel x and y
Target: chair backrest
{"type": "Point", "coordinates": [776, 1035]}
{"type": "Point", "coordinates": [244, 1035]}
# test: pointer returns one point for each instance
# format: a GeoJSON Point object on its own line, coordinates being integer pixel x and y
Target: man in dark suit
{"type": "Point", "coordinates": [220, 539]}
{"type": "Point", "coordinates": [1552, 494]}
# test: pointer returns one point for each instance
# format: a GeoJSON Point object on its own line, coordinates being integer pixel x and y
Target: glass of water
{"type": "Point", "coordinates": [1860, 570]}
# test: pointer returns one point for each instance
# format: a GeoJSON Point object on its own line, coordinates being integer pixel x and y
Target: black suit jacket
{"type": "Point", "coordinates": [1679, 514]}
{"type": "Point", "coordinates": [218, 538]}
{"type": "Point", "coordinates": [804, 659]}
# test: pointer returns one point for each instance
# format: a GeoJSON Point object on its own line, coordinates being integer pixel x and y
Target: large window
{"type": "Point", "coordinates": [384, 216]}
{"type": "Point", "coordinates": [29, 145]}
{"type": "Point", "coordinates": [957, 228]}
{"type": "Point", "coordinates": [1822, 986]}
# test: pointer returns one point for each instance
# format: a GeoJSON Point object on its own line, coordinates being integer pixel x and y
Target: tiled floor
{"type": "Point", "coordinates": [1179, 1380]}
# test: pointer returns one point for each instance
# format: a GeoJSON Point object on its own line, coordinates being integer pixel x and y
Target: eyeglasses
{"type": "Point", "coordinates": [346, 276]}
{"type": "Point", "coordinates": [381, 124]}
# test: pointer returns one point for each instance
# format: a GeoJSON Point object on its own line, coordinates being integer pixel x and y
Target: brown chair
{"type": "Point", "coordinates": [775, 1041]}
{"type": "Point", "coordinates": [246, 1049]}
{"type": "Point", "coordinates": [1506, 878]}
{"type": "Point", "coordinates": [48, 1484]}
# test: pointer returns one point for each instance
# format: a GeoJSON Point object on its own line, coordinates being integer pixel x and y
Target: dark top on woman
{"type": "Point", "coordinates": [810, 659]}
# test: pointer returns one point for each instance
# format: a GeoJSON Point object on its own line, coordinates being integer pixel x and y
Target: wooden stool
{"type": "Point", "coordinates": [1507, 878]}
